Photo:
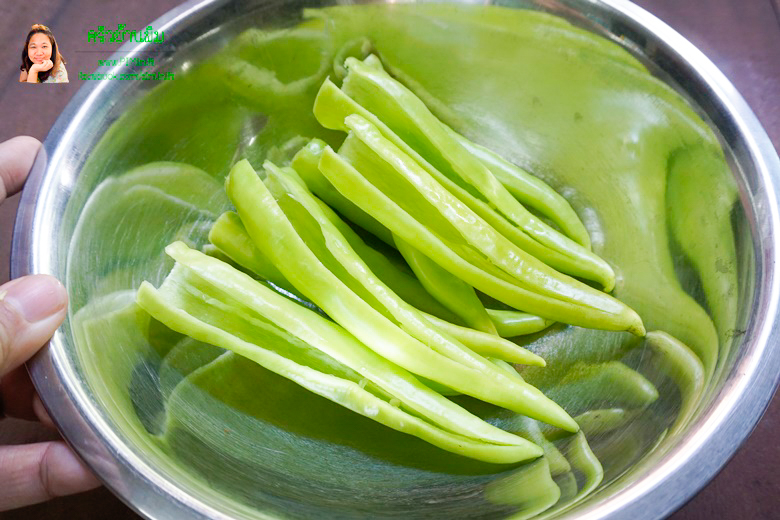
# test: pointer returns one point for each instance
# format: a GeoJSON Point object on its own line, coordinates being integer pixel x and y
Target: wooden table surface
{"type": "Point", "coordinates": [742, 37]}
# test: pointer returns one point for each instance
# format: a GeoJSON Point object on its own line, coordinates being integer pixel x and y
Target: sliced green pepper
{"type": "Point", "coordinates": [529, 190]}
{"type": "Point", "coordinates": [562, 298]}
{"type": "Point", "coordinates": [342, 391]}
{"type": "Point", "coordinates": [229, 235]}
{"type": "Point", "coordinates": [305, 163]}
{"type": "Point", "coordinates": [513, 323]}
{"type": "Point", "coordinates": [238, 247]}
{"type": "Point", "coordinates": [397, 275]}
{"type": "Point", "coordinates": [335, 252]}
{"type": "Point", "coordinates": [264, 307]}
{"type": "Point", "coordinates": [277, 239]}
{"type": "Point", "coordinates": [449, 290]}
{"type": "Point", "coordinates": [507, 323]}
{"type": "Point", "coordinates": [405, 114]}
{"type": "Point", "coordinates": [331, 108]}
{"type": "Point", "coordinates": [488, 345]}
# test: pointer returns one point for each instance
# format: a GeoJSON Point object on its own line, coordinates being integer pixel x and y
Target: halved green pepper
{"type": "Point", "coordinates": [335, 252]}
{"type": "Point", "coordinates": [506, 323]}
{"type": "Point", "coordinates": [194, 292]}
{"type": "Point", "coordinates": [411, 126]}
{"type": "Point", "coordinates": [452, 292]}
{"type": "Point", "coordinates": [332, 106]}
{"type": "Point", "coordinates": [277, 239]}
{"type": "Point", "coordinates": [522, 281]}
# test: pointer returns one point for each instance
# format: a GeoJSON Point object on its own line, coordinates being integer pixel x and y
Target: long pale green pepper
{"type": "Point", "coordinates": [411, 126]}
{"type": "Point", "coordinates": [239, 248]}
{"type": "Point", "coordinates": [529, 190]}
{"type": "Point", "coordinates": [507, 323]}
{"type": "Point", "coordinates": [331, 108]}
{"type": "Point", "coordinates": [485, 259]}
{"type": "Point", "coordinates": [336, 253]}
{"type": "Point", "coordinates": [277, 239]}
{"type": "Point", "coordinates": [512, 323]}
{"type": "Point", "coordinates": [305, 163]}
{"type": "Point", "coordinates": [186, 303]}
{"type": "Point", "coordinates": [228, 235]}
{"type": "Point", "coordinates": [451, 291]}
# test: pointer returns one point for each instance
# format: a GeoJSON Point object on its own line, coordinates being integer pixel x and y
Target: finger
{"type": "Point", "coordinates": [34, 473]}
{"type": "Point", "coordinates": [16, 159]}
{"type": "Point", "coordinates": [17, 393]}
{"type": "Point", "coordinates": [41, 413]}
{"type": "Point", "coordinates": [31, 309]}
{"type": "Point", "coordinates": [20, 400]}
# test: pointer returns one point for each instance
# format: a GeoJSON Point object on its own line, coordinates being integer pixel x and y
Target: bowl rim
{"type": "Point", "coordinates": [675, 476]}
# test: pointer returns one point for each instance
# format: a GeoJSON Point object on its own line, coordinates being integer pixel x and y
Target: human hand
{"type": "Point", "coordinates": [31, 309]}
{"type": "Point", "coordinates": [42, 67]}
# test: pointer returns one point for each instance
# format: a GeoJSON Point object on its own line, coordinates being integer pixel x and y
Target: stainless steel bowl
{"type": "Point", "coordinates": [655, 486]}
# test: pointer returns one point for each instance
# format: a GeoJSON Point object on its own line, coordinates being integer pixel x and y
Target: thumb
{"type": "Point", "coordinates": [33, 473]}
{"type": "Point", "coordinates": [31, 309]}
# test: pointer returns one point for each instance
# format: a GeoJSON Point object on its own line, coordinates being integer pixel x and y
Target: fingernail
{"type": "Point", "coordinates": [36, 297]}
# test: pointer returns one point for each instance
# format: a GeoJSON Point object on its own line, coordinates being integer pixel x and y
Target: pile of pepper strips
{"type": "Point", "coordinates": [402, 335]}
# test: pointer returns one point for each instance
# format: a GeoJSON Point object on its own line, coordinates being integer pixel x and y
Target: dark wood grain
{"type": "Point", "coordinates": [741, 36]}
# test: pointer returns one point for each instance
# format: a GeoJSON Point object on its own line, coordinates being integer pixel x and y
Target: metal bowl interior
{"type": "Point", "coordinates": [664, 471]}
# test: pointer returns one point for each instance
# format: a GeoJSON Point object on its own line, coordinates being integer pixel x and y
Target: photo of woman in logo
{"type": "Point", "coordinates": [41, 60]}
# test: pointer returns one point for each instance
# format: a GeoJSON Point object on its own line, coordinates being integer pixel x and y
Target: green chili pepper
{"type": "Point", "coordinates": [229, 236]}
{"type": "Point", "coordinates": [332, 107]}
{"type": "Point", "coordinates": [450, 291]}
{"type": "Point", "coordinates": [396, 275]}
{"type": "Point", "coordinates": [510, 324]}
{"type": "Point", "coordinates": [403, 113]}
{"type": "Point", "coordinates": [305, 163]}
{"type": "Point", "coordinates": [342, 391]}
{"type": "Point", "coordinates": [507, 323]}
{"type": "Point", "coordinates": [277, 239]}
{"type": "Point", "coordinates": [561, 298]}
{"type": "Point", "coordinates": [335, 252]}
{"type": "Point", "coordinates": [529, 190]}
{"type": "Point", "coordinates": [190, 299]}
{"type": "Point", "coordinates": [488, 345]}
{"type": "Point", "coordinates": [238, 247]}
{"type": "Point", "coordinates": [235, 243]}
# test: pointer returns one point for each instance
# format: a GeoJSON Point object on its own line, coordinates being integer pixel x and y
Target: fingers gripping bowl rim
{"type": "Point", "coordinates": [656, 486]}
